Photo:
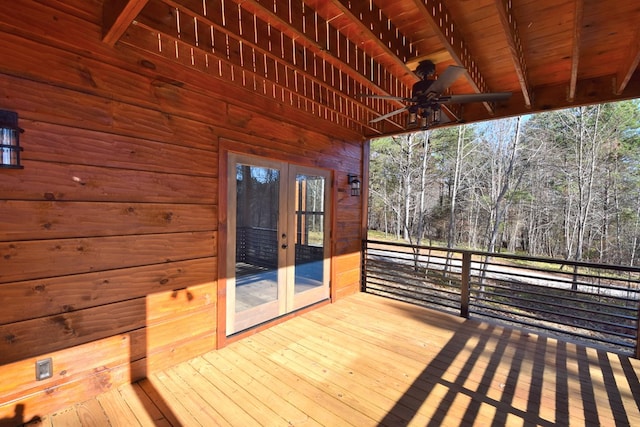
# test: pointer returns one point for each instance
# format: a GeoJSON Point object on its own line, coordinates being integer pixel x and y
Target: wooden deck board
{"type": "Point", "coordinates": [142, 406]}
{"type": "Point", "coordinates": [368, 361]}
{"type": "Point", "coordinates": [290, 387]}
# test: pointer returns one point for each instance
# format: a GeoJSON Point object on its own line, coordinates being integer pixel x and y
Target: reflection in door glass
{"type": "Point", "coordinates": [257, 191]}
{"type": "Point", "coordinates": [309, 225]}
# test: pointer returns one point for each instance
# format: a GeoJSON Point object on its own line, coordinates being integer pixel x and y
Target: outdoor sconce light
{"type": "Point", "coordinates": [9, 140]}
{"type": "Point", "coordinates": [354, 182]}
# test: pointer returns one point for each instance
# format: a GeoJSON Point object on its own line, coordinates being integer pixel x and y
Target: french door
{"type": "Point", "coordinates": [278, 239]}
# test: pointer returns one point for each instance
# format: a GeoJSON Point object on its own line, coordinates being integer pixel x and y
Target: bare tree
{"type": "Point", "coordinates": [562, 184]}
{"type": "Point", "coordinates": [457, 170]}
{"type": "Point", "coordinates": [506, 174]}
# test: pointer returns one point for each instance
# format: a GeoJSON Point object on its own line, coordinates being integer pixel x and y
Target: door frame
{"type": "Point", "coordinates": [227, 146]}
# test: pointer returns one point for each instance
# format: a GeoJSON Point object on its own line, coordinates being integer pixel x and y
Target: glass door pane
{"type": "Point", "coordinates": [255, 287]}
{"type": "Point", "coordinates": [256, 236]}
{"type": "Point", "coordinates": [311, 263]}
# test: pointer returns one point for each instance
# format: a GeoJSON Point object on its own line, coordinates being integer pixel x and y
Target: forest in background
{"type": "Point", "coordinates": [563, 184]}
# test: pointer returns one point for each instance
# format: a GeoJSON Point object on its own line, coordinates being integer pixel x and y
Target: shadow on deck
{"type": "Point", "coordinates": [368, 361]}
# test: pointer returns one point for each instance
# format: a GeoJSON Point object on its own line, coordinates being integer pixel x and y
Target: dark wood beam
{"type": "Point", "coordinates": [512, 34]}
{"type": "Point", "coordinates": [629, 66]}
{"type": "Point", "coordinates": [575, 54]}
{"type": "Point", "coordinates": [117, 16]}
{"type": "Point", "coordinates": [436, 13]}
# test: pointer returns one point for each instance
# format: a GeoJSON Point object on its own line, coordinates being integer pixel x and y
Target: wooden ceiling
{"type": "Point", "coordinates": [319, 56]}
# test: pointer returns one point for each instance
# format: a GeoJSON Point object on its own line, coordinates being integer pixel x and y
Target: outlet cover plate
{"type": "Point", "coordinates": [44, 369]}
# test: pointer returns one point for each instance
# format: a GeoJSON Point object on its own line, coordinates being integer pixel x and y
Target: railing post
{"type": "Point", "coordinates": [638, 333]}
{"type": "Point", "coordinates": [363, 266]}
{"type": "Point", "coordinates": [464, 286]}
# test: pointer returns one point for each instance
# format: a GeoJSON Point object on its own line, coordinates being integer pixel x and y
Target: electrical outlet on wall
{"type": "Point", "coordinates": [44, 369]}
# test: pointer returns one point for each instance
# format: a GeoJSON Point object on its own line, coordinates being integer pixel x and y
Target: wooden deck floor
{"type": "Point", "coordinates": [368, 361]}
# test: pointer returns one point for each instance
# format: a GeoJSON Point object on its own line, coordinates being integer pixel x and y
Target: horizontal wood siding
{"type": "Point", "coordinates": [109, 235]}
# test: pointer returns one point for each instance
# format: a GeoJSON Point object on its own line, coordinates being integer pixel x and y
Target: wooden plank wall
{"type": "Point", "coordinates": [108, 236]}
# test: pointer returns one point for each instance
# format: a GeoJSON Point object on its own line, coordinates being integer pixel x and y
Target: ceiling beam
{"type": "Point", "coordinates": [258, 53]}
{"type": "Point", "coordinates": [311, 30]}
{"type": "Point", "coordinates": [317, 34]}
{"type": "Point", "coordinates": [436, 12]}
{"type": "Point", "coordinates": [512, 34]}
{"type": "Point", "coordinates": [387, 40]}
{"type": "Point", "coordinates": [575, 54]}
{"type": "Point", "coordinates": [629, 66]}
{"type": "Point", "coordinates": [117, 15]}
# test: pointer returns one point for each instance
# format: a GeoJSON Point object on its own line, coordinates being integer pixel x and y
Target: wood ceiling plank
{"type": "Point", "coordinates": [512, 34]}
{"type": "Point", "coordinates": [629, 66]}
{"type": "Point", "coordinates": [234, 60]}
{"type": "Point", "coordinates": [310, 46]}
{"type": "Point", "coordinates": [436, 12]}
{"type": "Point", "coordinates": [312, 31]}
{"type": "Point", "coordinates": [320, 54]}
{"type": "Point", "coordinates": [373, 25]}
{"type": "Point", "coordinates": [117, 15]}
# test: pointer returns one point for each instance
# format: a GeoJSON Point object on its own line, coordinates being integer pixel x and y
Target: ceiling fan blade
{"type": "Point", "coordinates": [386, 116]}
{"type": "Point", "coordinates": [393, 98]}
{"type": "Point", "coordinates": [474, 97]}
{"type": "Point", "coordinates": [446, 79]}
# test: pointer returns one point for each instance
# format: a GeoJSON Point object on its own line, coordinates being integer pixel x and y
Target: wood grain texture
{"type": "Point", "coordinates": [58, 220]}
{"type": "Point", "coordinates": [71, 182]}
{"type": "Point", "coordinates": [37, 259]}
{"type": "Point", "coordinates": [371, 361]}
{"type": "Point", "coordinates": [57, 295]}
{"type": "Point", "coordinates": [109, 247]}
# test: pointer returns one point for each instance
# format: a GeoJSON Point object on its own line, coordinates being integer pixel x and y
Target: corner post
{"type": "Point", "coordinates": [464, 285]}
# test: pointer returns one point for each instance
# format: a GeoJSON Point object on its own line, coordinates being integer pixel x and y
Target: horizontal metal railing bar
{"type": "Point", "coordinates": [544, 325]}
{"type": "Point", "coordinates": [513, 303]}
{"type": "Point", "coordinates": [420, 291]}
{"type": "Point", "coordinates": [562, 298]}
{"type": "Point", "coordinates": [479, 302]}
{"type": "Point", "coordinates": [563, 294]}
{"type": "Point", "coordinates": [401, 278]}
{"type": "Point", "coordinates": [515, 256]}
{"type": "Point", "coordinates": [564, 275]}
{"type": "Point", "coordinates": [389, 268]}
{"type": "Point", "coordinates": [454, 287]}
{"type": "Point", "coordinates": [453, 306]}
{"type": "Point", "coordinates": [408, 262]}
{"type": "Point", "coordinates": [479, 272]}
{"type": "Point", "coordinates": [594, 302]}
{"type": "Point", "coordinates": [557, 330]}
{"type": "Point", "coordinates": [627, 290]}
{"type": "Point", "coordinates": [570, 273]}
{"type": "Point", "coordinates": [407, 259]}
{"type": "Point", "coordinates": [435, 299]}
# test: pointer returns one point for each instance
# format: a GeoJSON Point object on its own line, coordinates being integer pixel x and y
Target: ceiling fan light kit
{"type": "Point", "coordinates": [427, 96]}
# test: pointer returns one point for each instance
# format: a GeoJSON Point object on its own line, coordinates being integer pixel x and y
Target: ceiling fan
{"type": "Point", "coordinates": [427, 97]}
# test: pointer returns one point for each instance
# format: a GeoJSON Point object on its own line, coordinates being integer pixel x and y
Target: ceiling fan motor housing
{"type": "Point", "coordinates": [425, 69]}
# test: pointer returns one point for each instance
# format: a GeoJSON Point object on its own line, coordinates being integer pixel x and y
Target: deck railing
{"type": "Point", "coordinates": [594, 303]}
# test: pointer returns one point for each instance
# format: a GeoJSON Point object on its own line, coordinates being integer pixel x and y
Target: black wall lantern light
{"type": "Point", "coordinates": [354, 182]}
{"type": "Point", "coordinates": [9, 140]}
